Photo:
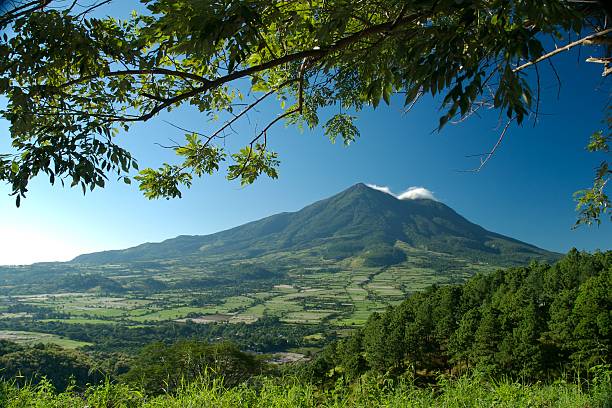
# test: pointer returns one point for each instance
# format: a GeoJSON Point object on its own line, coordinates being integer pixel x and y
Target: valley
{"type": "Point", "coordinates": [325, 268]}
{"type": "Point", "coordinates": [337, 294]}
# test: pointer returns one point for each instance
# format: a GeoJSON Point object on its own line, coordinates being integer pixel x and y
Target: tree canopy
{"type": "Point", "coordinates": [73, 82]}
{"type": "Point", "coordinates": [536, 322]}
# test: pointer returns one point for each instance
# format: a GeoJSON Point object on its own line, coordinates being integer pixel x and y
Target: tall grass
{"type": "Point", "coordinates": [468, 391]}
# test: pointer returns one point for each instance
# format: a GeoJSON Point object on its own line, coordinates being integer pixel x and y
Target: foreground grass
{"type": "Point", "coordinates": [464, 392]}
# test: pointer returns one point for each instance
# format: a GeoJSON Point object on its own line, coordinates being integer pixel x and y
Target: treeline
{"type": "Point", "coordinates": [533, 323]}
{"type": "Point", "coordinates": [267, 334]}
{"type": "Point", "coordinates": [62, 278]}
{"type": "Point", "coordinates": [157, 368]}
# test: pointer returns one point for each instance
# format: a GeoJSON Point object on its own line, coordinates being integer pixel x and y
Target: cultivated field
{"type": "Point", "coordinates": [339, 294]}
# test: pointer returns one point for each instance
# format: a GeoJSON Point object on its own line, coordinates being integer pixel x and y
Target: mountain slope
{"type": "Point", "coordinates": [354, 222]}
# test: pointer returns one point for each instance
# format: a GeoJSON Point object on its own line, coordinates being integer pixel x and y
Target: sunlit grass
{"type": "Point", "coordinates": [269, 393]}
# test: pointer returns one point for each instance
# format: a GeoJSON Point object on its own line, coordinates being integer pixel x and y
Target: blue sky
{"type": "Point", "coordinates": [525, 191]}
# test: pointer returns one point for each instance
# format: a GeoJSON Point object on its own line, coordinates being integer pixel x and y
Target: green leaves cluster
{"type": "Point", "coordinates": [251, 162]}
{"type": "Point", "coordinates": [73, 81]}
{"type": "Point", "coordinates": [161, 368]}
{"type": "Point", "coordinates": [341, 125]}
{"type": "Point", "coordinates": [198, 158]}
{"type": "Point", "coordinates": [593, 203]}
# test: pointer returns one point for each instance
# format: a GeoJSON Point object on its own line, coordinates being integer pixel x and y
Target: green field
{"type": "Point", "coordinates": [25, 337]}
{"type": "Point", "coordinates": [337, 294]}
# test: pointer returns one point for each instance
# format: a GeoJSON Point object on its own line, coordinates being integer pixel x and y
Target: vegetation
{"type": "Point", "coordinates": [437, 318]}
{"type": "Point", "coordinates": [73, 82]}
{"type": "Point", "coordinates": [163, 369]}
{"type": "Point", "coordinates": [532, 323]}
{"type": "Point", "coordinates": [523, 336]}
{"type": "Point", "coordinates": [319, 271]}
{"type": "Point", "coordinates": [378, 301]}
{"type": "Point", "coordinates": [60, 367]}
{"type": "Point", "coordinates": [368, 392]}
{"type": "Point", "coordinates": [266, 335]}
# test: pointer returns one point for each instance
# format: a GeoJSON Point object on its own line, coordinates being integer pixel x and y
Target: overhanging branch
{"type": "Point", "coordinates": [564, 48]}
{"type": "Point", "coordinates": [311, 55]}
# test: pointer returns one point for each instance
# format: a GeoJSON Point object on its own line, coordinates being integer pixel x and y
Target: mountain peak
{"type": "Point", "coordinates": [360, 187]}
{"type": "Point", "coordinates": [347, 224]}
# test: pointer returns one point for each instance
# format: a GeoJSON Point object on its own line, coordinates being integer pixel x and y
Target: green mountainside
{"type": "Point", "coordinates": [333, 263]}
{"type": "Point", "coordinates": [359, 221]}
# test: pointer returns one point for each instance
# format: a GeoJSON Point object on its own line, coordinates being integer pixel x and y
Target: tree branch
{"type": "Point", "coordinates": [127, 72]}
{"type": "Point", "coordinates": [247, 109]}
{"type": "Point", "coordinates": [313, 54]}
{"type": "Point", "coordinates": [22, 10]}
{"type": "Point", "coordinates": [562, 49]}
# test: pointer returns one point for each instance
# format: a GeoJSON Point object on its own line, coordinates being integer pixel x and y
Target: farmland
{"type": "Point", "coordinates": [30, 338]}
{"type": "Point", "coordinates": [327, 295]}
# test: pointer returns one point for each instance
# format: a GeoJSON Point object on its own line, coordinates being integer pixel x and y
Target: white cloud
{"type": "Point", "coordinates": [384, 189]}
{"type": "Point", "coordinates": [416, 193]}
{"type": "Point", "coordinates": [413, 193]}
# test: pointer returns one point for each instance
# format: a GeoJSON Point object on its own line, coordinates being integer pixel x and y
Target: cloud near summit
{"type": "Point", "coordinates": [413, 193]}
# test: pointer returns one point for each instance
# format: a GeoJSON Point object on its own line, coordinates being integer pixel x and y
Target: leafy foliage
{"type": "Point", "coordinates": [73, 82]}
{"type": "Point", "coordinates": [594, 203]}
{"type": "Point", "coordinates": [58, 366]}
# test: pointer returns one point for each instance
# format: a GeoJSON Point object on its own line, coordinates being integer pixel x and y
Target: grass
{"type": "Point", "coordinates": [28, 337]}
{"type": "Point", "coordinates": [173, 313]}
{"type": "Point", "coordinates": [372, 392]}
{"type": "Point", "coordinates": [307, 317]}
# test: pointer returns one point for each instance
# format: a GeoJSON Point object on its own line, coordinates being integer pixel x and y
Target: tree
{"type": "Point", "coordinates": [59, 366]}
{"type": "Point", "coordinates": [73, 81]}
{"type": "Point", "coordinates": [165, 368]}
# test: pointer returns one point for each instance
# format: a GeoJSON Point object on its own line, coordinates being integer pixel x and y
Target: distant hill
{"type": "Point", "coordinates": [358, 222]}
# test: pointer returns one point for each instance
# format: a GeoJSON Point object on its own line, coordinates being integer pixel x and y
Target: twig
{"type": "Point", "coordinates": [247, 109]}
{"type": "Point", "coordinates": [490, 154]}
{"type": "Point", "coordinates": [559, 83]}
{"type": "Point", "coordinates": [95, 6]}
{"type": "Point", "coordinates": [264, 132]}
{"type": "Point", "coordinates": [537, 111]}
{"type": "Point", "coordinates": [184, 130]}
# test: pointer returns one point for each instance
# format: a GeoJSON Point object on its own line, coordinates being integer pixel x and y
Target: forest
{"type": "Point", "coordinates": [535, 322]}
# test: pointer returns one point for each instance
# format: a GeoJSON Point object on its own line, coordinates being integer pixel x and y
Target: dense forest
{"type": "Point", "coordinates": [534, 322]}
{"type": "Point", "coordinates": [532, 325]}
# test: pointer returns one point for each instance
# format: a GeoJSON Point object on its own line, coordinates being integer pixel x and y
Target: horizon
{"type": "Point", "coordinates": [421, 194]}
{"type": "Point", "coordinates": [370, 186]}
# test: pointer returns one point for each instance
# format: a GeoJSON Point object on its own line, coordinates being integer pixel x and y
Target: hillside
{"type": "Point", "coordinates": [332, 263]}
{"type": "Point", "coordinates": [351, 223]}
